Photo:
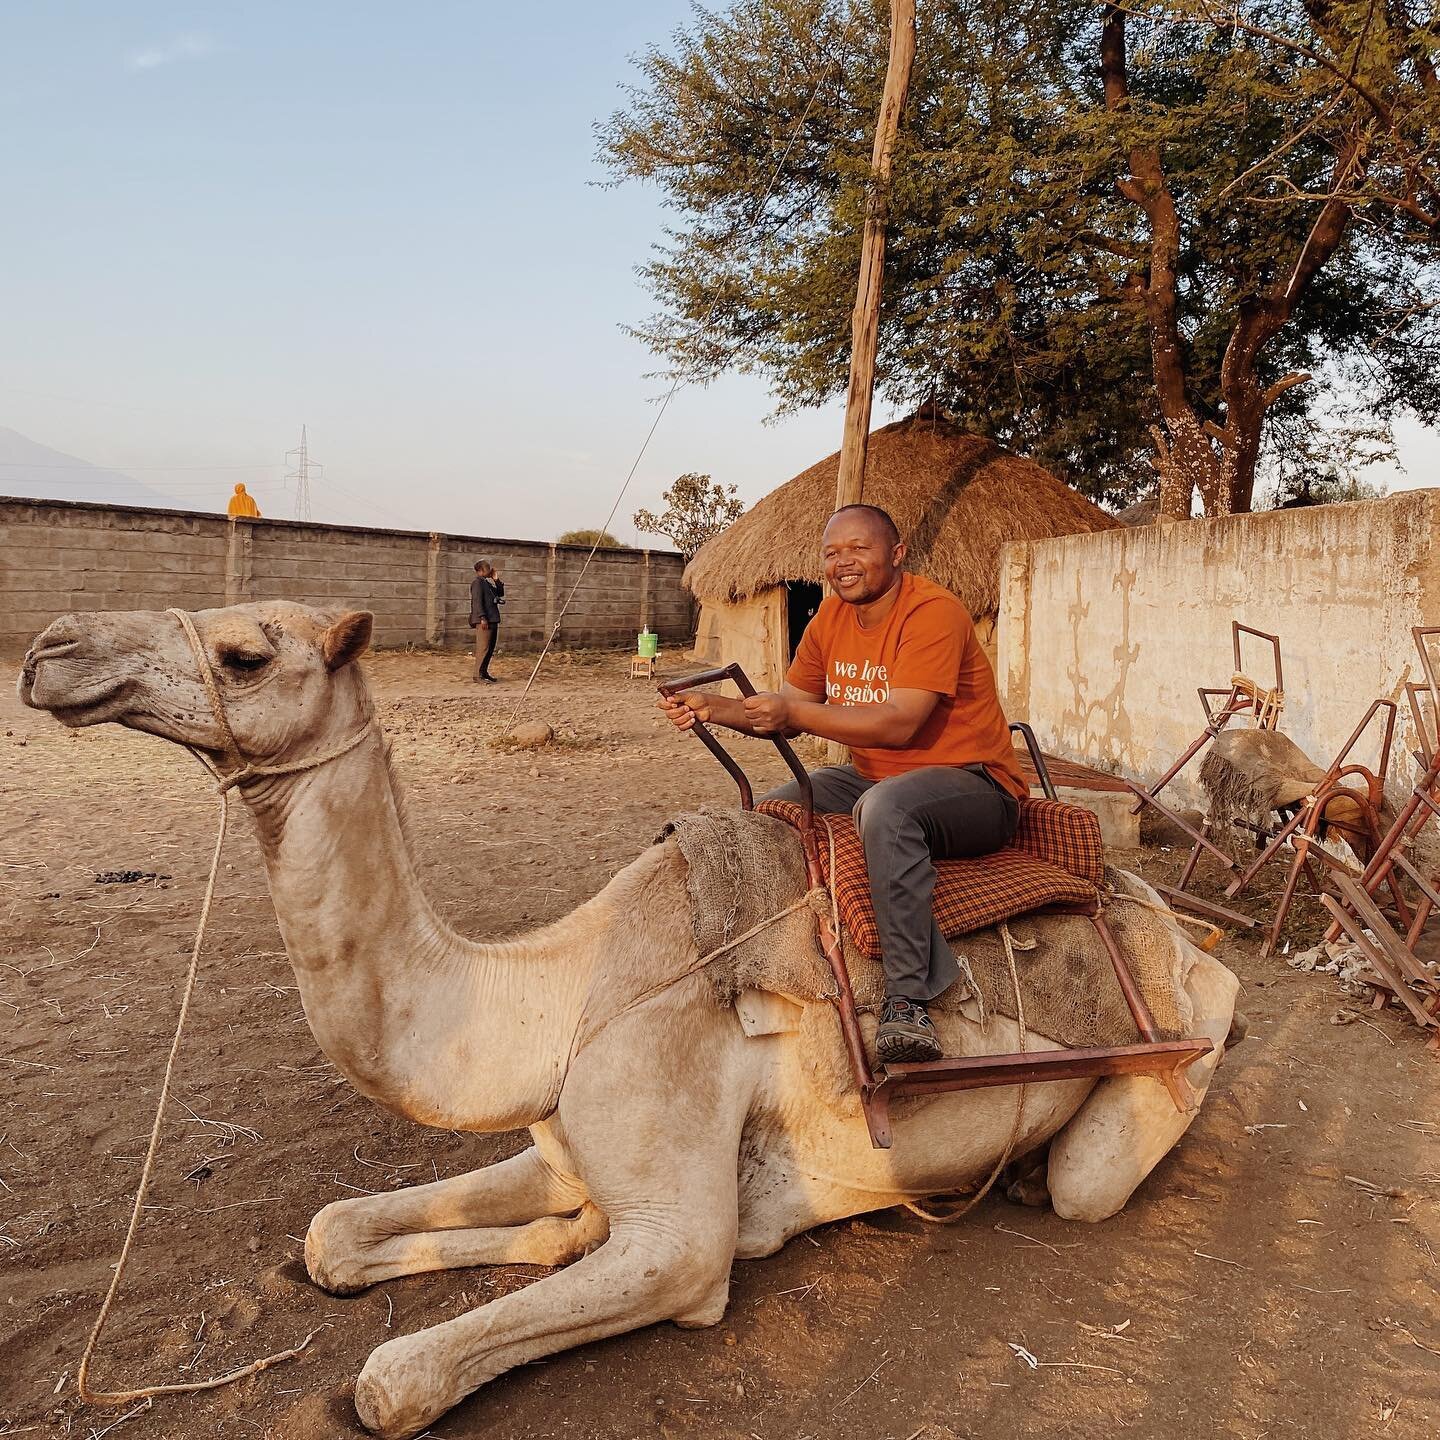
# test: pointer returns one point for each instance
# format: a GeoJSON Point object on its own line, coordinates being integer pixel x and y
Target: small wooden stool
{"type": "Point", "coordinates": [642, 667]}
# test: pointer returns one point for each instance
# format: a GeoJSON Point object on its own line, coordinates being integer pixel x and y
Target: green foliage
{"type": "Point", "coordinates": [1320, 459]}
{"type": "Point", "coordinates": [696, 509]}
{"type": "Point", "coordinates": [1014, 267]}
{"type": "Point", "coordinates": [600, 539]}
{"type": "Point", "coordinates": [1330, 489]}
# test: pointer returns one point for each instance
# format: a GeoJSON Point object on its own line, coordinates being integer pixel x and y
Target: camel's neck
{"type": "Point", "coordinates": [444, 1030]}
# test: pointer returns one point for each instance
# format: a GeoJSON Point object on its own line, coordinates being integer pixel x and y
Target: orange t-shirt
{"type": "Point", "coordinates": [927, 642]}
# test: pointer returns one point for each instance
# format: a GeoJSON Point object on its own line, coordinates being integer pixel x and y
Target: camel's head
{"type": "Point", "coordinates": [283, 671]}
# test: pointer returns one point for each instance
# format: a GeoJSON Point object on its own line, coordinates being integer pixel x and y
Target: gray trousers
{"type": "Point", "coordinates": [942, 812]}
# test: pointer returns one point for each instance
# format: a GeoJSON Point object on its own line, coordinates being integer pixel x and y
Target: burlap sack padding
{"type": "Point", "coordinates": [1249, 774]}
{"type": "Point", "coordinates": [746, 867]}
{"type": "Point", "coordinates": [1057, 858]}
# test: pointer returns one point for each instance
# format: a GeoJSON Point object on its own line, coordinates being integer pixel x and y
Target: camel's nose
{"type": "Point", "coordinates": [60, 637]}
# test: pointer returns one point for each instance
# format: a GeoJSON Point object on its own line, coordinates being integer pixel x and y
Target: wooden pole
{"type": "Point", "coordinates": [865, 322]}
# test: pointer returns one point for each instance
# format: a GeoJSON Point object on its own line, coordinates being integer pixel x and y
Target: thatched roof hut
{"type": "Point", "coordinates": [957, 498]}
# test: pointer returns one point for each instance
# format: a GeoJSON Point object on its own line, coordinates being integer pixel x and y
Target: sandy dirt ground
{"type": "Point", "coordinates": [1275, 1277]}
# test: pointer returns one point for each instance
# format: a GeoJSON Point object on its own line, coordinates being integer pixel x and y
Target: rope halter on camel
{"type": "Point", "coordinates": [246, 769]}
{"type": "Point", "coordinates": [225, 781]}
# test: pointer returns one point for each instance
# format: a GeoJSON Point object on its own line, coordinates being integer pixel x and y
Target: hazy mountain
{"type": "Point", "coordinates": [31, 471]}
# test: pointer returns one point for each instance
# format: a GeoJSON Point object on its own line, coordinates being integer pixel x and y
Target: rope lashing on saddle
{"type": "Point", "coordinates": [225, 781]}
{"type": "Point", "coordinates": [584, 1036]}
{"type": "Point", "coordinates": [1111, 896]}
{"type": "Point", "coordinates": [950, 1217]}
{"type": "Point", "coordinates": [1266, 705]}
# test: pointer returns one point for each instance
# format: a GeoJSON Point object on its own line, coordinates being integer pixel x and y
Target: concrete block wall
{"type": "Point", "coordinates": [349, 569]}
{"type": "Point", "coordinates": [1104, 638]}
{"type": "Point", "coordinates": [57, 556]}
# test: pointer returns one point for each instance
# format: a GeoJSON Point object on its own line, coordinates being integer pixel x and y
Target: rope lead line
{"type": "Point", "coordinates": [224, 783]}
{"type": "Point", "coordinates": [82, 1377]}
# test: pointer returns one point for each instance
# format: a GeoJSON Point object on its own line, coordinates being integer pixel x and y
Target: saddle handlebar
{"type": "Point", "coordinates": [732, 672]}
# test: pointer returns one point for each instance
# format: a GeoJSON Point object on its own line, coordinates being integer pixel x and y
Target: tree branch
{"type": "Point", "coordinates": [1230, 19]}
{"type": "Point", "coordinates": [1146, 189]}
{"type": "Point", "coordinates": [1329, 227]}
{"type": "Point", "coordinates": [1286, 382]}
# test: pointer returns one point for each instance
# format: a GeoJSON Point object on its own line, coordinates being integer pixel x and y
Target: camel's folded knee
{"type": "Point", "coordinates": [347, 1256]}
{"type": "Point", "coordinates": [684, 1281]}
{"type": "Point", "coordinates": [339, 1237]}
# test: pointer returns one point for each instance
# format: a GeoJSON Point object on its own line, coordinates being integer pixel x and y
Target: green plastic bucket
{"type": "Point", "coordinates": [649, 644]}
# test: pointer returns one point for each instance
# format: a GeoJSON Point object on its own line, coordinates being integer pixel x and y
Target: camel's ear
{"type": "Point", "coordinates": [346, 639]}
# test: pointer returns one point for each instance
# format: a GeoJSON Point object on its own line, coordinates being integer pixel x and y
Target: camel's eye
{"type": "Point", "coordinates": [246, 658]}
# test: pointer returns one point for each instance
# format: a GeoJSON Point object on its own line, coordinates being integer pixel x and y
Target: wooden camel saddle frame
{"type": "Point", "coordinates": [1357, 913]}
{"type": "Point", "coordinates": [1243, 697]}
{"type": "Point", "coordinates": [1165, 1060]}
{"type": "Point", "coordinates": [1300, 826]}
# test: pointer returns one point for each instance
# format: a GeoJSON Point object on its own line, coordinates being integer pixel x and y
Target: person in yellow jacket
{"type": "Point", "coordinates": [242, 504]}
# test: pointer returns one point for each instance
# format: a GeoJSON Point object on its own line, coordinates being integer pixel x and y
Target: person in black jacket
{"type": "Point", "coordinates": [487, 594]}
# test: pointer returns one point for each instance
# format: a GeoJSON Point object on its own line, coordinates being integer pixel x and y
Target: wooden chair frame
{"type": "Point", "coordinates": [1355, 912]}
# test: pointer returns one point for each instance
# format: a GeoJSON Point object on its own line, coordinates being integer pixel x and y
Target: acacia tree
{"type": "Point", "coordinates": [1026, 289]}
{"type": "Point", "coordinates": [1355, 124]}
{"type": "Point", "coordinates": [697, 508]}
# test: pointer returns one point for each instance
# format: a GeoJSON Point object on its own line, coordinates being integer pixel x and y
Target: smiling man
{"type": "Point", "coordinates": [891, 667]}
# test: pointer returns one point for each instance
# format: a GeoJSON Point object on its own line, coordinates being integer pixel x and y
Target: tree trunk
{"type": "Point", "coordinates": [1195, 454]}
{"type": "Point", "coordinates": [1187, 461]}
{"type": "Point", "coordinates": [865, 321]}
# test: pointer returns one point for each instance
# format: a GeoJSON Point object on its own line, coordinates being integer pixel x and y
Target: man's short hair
{"type": "Point", "coordinates": [482, 564]}
{"type": "Point", "coordinates": [892, 530]}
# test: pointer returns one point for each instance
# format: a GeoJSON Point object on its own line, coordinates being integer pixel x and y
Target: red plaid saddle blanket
{"type": "Point", "coordinates": [1056, 858]}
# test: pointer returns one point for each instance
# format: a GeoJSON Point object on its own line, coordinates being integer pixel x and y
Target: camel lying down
{"type": "Point", "coordinates": [666, 1146]}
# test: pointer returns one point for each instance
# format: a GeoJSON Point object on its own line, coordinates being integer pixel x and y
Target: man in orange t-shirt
{"type": "Point", "coordinates": [891, 667]}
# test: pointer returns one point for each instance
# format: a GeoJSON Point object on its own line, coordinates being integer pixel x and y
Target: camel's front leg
{"type": "Point", "coordinates": [646, 1271]}
{"type": "Point", "coordinates": [651, 1118]}
{"type": "Point", "coordinates": [503, 1214]}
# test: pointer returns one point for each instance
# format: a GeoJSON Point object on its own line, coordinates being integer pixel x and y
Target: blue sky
{"type": "Point", "coordinates": [376, 219]}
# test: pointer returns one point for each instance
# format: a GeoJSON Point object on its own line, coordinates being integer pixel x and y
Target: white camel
{"type": "Point", "coordinates": [665, 1148]}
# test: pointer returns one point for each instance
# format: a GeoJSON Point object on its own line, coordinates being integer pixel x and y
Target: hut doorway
{"type": "Point", "coordinates": [803, 599]}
